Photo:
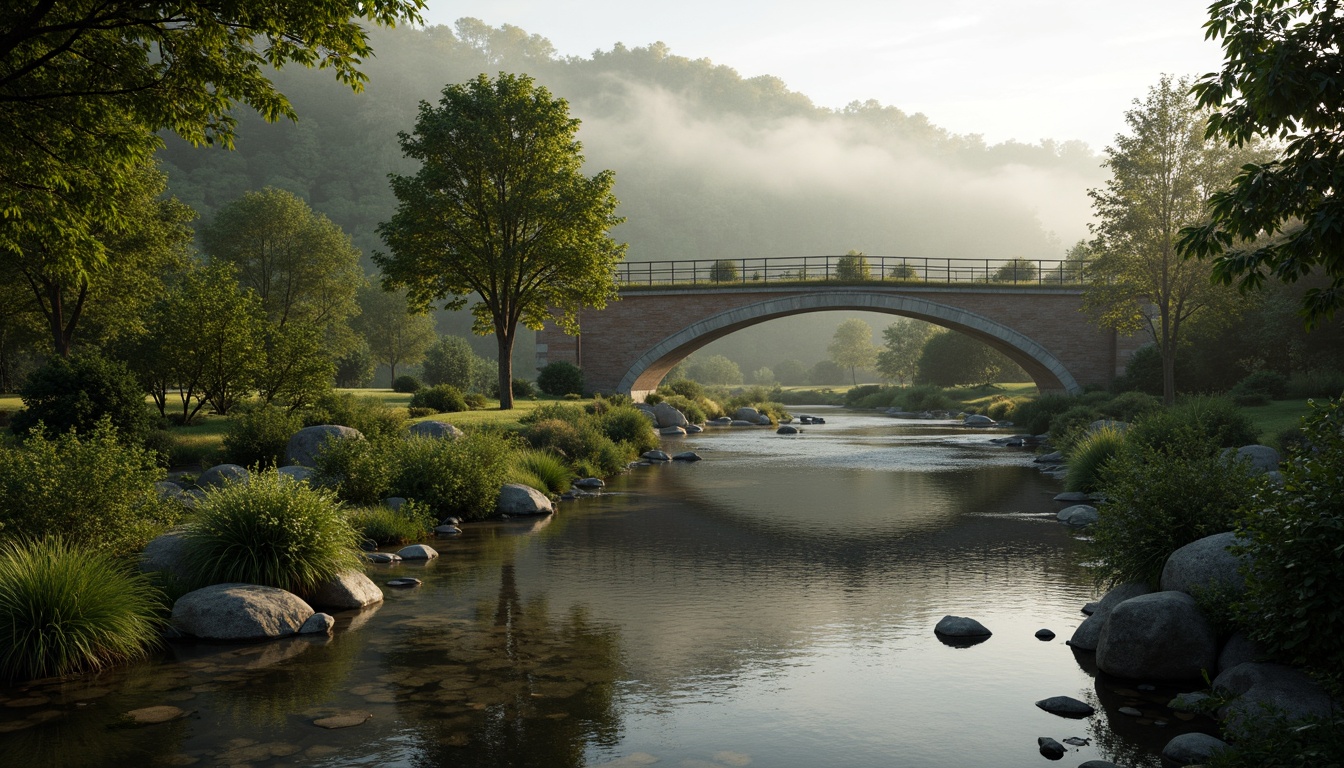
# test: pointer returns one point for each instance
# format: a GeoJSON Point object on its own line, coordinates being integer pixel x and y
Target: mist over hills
{"type": "Point", "coordinates": [708, 164]}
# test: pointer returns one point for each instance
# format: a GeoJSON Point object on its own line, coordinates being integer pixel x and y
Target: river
{"type": "Point", "coordinates": [772, 605]}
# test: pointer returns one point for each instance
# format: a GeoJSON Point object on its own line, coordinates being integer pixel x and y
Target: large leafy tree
{"type": "Point", "coordinates": [1162, 172]}
{"type": "Point", "coordinates": [303, 267]}
{"type": "Point", "coordinates": [951, 359]}
{"type": "Point", "coordinates": [1280, 79]}
{"type": "Point", "coordinates": [396, 333]}
{"type": "Point", "coordinates": [500, 209]}
{"type": "Point", "coordinates": [903, 341]}
{"type": "Point", "coordinates": [85, 84]}
{"type": "Point", "coordinates": [852, 347]}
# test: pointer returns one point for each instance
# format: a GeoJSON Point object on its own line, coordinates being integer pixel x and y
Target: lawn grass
{"type": "Point", "coordinates": [201, 444]}
{"type": "Point", "coordinates": [1273, 419]}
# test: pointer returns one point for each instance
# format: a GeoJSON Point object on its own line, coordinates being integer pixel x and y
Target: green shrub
{"type": "Point", "coordinates": [1315, 383]}
{"type": "Point", "coordinates": [388, 526]}
{"type": "Point", "coordinates": [406, 384]}
{"type": "Point", "coordinates": [555, 434]}
{"type": "Point", "coordinates": [1002, 408]}
{"type": "Point", "coordinates": [260, 436]}
{"type": "Point", "coordinates": [571, 414]}
{"type": "Point", "coordinates": [474, 400]}
{"type": "Point", "coordinates": [270, 531]}
{"type": "Point", "coordinates": [1130, 406]}
{"type": "Point", "coordinates": [684, 387]}
{"type": "Point", "coordinates": [1276, 741]}
{"type": "Point", "coordinates": [458, 478]}
{"type": "Point", "coordinates": [1143, 372]}
{"type": "Point", "coordinates": [371, 416]}
{"type": "Point", "coordinates": [359, 471]}
{"type": "Point", "coordinates": [853, 266]}
{"type": "Point", "coordinates": [419, 413]}
{"type": "Point", "coordinates": [521, 388]}
{"type": "Point", "coordinates": [80, 392]}
{"type": "Point", "coordinates": [1216, 419]}
{"type": "Point", "coordinates": [1161, 496]}
{"type": "Point", "coordinates": [1034, 416]}
{"type": "Point", "coordinates": [542, 470]}
{"type": "Point", "coordinates": [925, 397]}
{"type": "Point", "coordinates": [627, 425]}
{"type": "Point", "coordinates": [560, 378]}
{"type": "Point", "coordinates": [1088, 454]}
{"type": "Point", "coordinates": [443, 398]}
{"type": "Point", "coordinates": [66, 609]}
{"type": "Point", "coordinates": [1259, 388]}
{"type": "Point", "coordinates": [1295, 536]}
{"type": "Point", "coordinates": [723, 271]}
{"type": "Point", "coordinates": [1069, 426]}
{"type": "Point", "coordinates": [857, 394]}
{"type": "Point", "coordinates": [94, 491]}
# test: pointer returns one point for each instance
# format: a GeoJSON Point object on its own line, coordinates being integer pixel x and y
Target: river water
{"type": "Point", "coordinates": [771, 605]}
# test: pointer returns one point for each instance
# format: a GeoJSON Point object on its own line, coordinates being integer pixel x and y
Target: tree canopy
{"type": "Point", "coordinates": [501, 210]}
{"type": "Point", "coordinates": [1280, 79]}
{"type": "Point", "coordinates": [903, 341]}
{"type": "Point", "coordinates": [852, 347]}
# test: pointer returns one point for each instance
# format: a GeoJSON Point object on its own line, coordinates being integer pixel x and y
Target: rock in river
{"type": "Point", "coordinates": [960, 626]}
{"type": "Point", "coordinates": [1066, 706]}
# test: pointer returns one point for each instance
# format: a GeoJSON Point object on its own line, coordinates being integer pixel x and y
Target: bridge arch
{"type": "Point", "coordinates": [1048, 372]}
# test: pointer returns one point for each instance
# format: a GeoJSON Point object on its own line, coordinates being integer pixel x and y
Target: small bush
{"type": "Point", "coordinates": [1130, 406]}
{"type": "Point", "coordinates": [443, 398]}
{"type": "Point", "coordinates": [557, 435]}
{"type": "Point", "coordinates": [270, 531]}
{"type": "Point", "coordinates": [1259, 388]}
{"type": "Point", "coordinates": [522, 388]}
{"type": "Point", "coordinates": [80, 392]}
{"type": "Point", "coordinates": [1295, 534]}
{"type": "Point", "coordinates": [260, 436]}
{"type": "Point", "coordinates": [1278, 741]}
{"type": "Point", "coordinates": [474, 400]}
{"type": "Point", "coordinates": [723, 271]}
{"type": "Point", "coordinates": [560, 378]}
{"type": "Point", "coordinates": [1161, 496]}
{"type": "Point", "coordinates": [926, 397]}
{"type": "Point", "coordinates": [359, 471]}
{"type": "Point", "coordinates": [1035, 416]}
{"type": "Point", "coordinates": [388, 526]}
{"type": "Point", "coordinates": [853, 266]}
{"type": "Point", "coordinates": [627, 425]}
{"type": "Point", "coordinates": [601, 456]}
{"type": "Point", "coordinates": [1088, 455]}
{"type": "Point", "coordinates": [1143, 372]}
{"type": "Point", "coordinates": [95, 492]}
{"type": "Point", "coordinates": [66, 609]}
{"type": "Point", "coordinates": [571, 414]}
{"type": "Point", "coordinates": [406, 384]}
{"type": "Point", "coordinates": [1216, 419]}
{"type": "Point", "coordinates": [1317, 383]}
{"type": "Point", "coordinates": [371, 416]}
{"type": "Point", "coordinates": [859, 393]}
{"type": "Point", "coordinates": [420, 413]}
{"type": "Point", "coordinates": [458, 478]}
{"type": "Point", "coordinates": [684, 387]}
{"type": "Point", "coordinates": [1070, 425]}
{"type": "Point", "coordinates": [541, 470]}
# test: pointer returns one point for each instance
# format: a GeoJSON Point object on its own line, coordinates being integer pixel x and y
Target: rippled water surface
{"type": "Point", "coordinates": [772, 605]}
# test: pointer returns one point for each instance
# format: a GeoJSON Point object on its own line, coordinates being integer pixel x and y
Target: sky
{"type": "Point", "coordinates": [1005, 69]}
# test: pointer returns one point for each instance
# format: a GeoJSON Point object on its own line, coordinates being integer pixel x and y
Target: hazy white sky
{"type": "Point", "coordinates": [1006, 69]}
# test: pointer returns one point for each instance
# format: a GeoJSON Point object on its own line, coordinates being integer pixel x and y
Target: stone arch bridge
{"type": "Point", "coordinates": [631, 344]}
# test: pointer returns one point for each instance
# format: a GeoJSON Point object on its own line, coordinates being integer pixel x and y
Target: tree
{"type": "Point", "coordinates": [852, 347]}
{"type": "Point", "coordinates": [763, 376]}
{"type": "Point", "coordinates": [1161, 175]}
{"type": "Point", "coordinates": [85, 84]}
{"type": "Point", "coordinates": [853, 266]}
{"type": "Point", "coordinates": [1280, 79]}
{"type": "Point", "coordinates": [723, 271]}
{"type": "Point", "coordinates": [303, 267]}
{"type": "Point", "coordinates": [951, 359]}
{"type": "Point", "coordinates": [715, 369]}
{"type": "Point", "coordinates": [295, 370]}
{"type": "Point", "coordinates": [1018, 270]}
{"type": "Point", "coordinates": [451, 360]}
{"type": "Point", "coordinates": [501, 209]}
{"type": "Point", "coordinates": [394, 333]}
{"type": "Point", "coordinates": [114, 291]}
{"type": "Point", "coordinates": [903, 341]}
{"type": "Point", "coordinates": [790, 372]}
{"type": "Point", "coordinates": [356, 367]}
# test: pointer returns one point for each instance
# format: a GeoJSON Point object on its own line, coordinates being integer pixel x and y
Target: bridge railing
{"type": "Point", "coordinates": [849, 269]}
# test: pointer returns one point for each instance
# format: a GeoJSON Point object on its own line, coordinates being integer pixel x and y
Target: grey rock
{"type": "Point", "coordinates": [647, 410]}
{"type": "Point", "coordinates": [1160, 636]}
{"type": "Point", "coordinates": [746, 413]}
{"type": "Point", "coordinates": [693, 429]}
{"type": "Point", "coordinates": [351, 589]}
{"type": "Point", "coordinates": [1088, 634]}
{"type": "Point", "coordinates": [590, 483]}
{"type": "Point", "coordinates": [763, 420]}
{"type": "Point", "coordinates": [961, 626]}
{"type": "Point", "coordinates": [690, 456]}
{"type": "Point", "coordinates": [1050, 748]}
{"type": "Point", "coordinates": [664, 415]}
{"type": "Point", "coordinates": [1274, 477]}
{"type": "Point", "coordinates": [1238, 649]}
{"type": "Point", "coordinates": [1191, 748]}
{"type": "Point", "coordinates": [318, 624]}
{"type": "Point", "coordinates": [1258, 458]}
{"type": "Point", "coordinates": [1258, 687]}
{"type": "Point", "coordinates": [447, 530]}
{"type": "Point", "coordinates": [1098, 764]}
{"type": "Point", "coordinates": [1084, 512]}
{"type": "Point", "coordinates": [439, 430]}
{"type": "Point", "coordinates": [305, 444]}
{"type": "Point", "coordinates": [1076, 741]}
{"type": "Point", "coordinates": [1195, 701]}
{"type": "Point", "coordinates": [1066, 706]}
{"type": "Point", "coordinates": [978, 420]}
{"type": "Point", "coordinates": [1130, 711]}
{"type": "Point", "coordinates": [721, 421]}
{"type": "Point", "coordinates": [655, 456]}
{"type": "Point", "coordinates": [382, 557]}
{"type": "Point", "coordinates": [1204, 564]}
{"type": "Point", "coordinates": [785, 429]}
{"type": "Point", "coordinates": [166, 554]}
{"type": "Point", "coordinates": [169, 491]}
{"type": "Point", "coordinates": [222, 474]}
{"type": "Point", "coordinates": [672, 432]}
{"type": "Point", "coordinates": [1054, 457]}
{"type": "Point", "coordinates": [239, 612]}
{"type": "Point", "coordinates": [743, 423]}
{"type": "Point", "coordinates": [1090, 608]}
{"type": "Point", "coordinates": [517, 500]}
{"type": "Point", "coordinates": [394, 502]}
{"type": "Point", "coordinates": [1044, 634]}
{"type": "Point", "coordinates": [295, 473]}
{"type": "Point", "coordinates": [405, 582]}
{"type": "Point", "coordinates": [1073, 497]}
{"type": "Point", "coordinates": [417, 552]}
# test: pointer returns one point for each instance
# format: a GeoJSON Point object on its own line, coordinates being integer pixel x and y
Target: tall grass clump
{"type": "Point", "coordinates": [95, 491]}
{"type": "Point", "coordinates": [1088, 454]}
{"type": "Point", "coordinates": [626, 424]}
{"type": "Point", "coordinates": [66, 608]}
{"type": "Point", "coordinates": [270, 531]}
{"type": "Point", "coordinates": [542, 470]}
{"type": "Point", "coordinates": [387, 526]}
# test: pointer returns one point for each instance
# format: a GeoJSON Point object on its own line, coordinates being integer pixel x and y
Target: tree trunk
{"type": "Point", "coordinates": [505, 369]}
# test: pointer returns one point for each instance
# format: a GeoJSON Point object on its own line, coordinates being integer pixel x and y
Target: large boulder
{"type": "Point", "coordinates": [1192, 748]}
{"type": "Point", "coordinates": [1258, 687]}
{"type": "Point", "coordinates": [520, 500]}
{"type": "Point", "coordinates": [1160, 636]}
{"type": "Point", "coordinates": [746, 413]}
{"type": "Point", "coordinates": [1078, 514]}
{"type": "Point", "coordinates": [351, 589]}
{"type": "Point", "coordinates": [672, 431]}
{"type": "Point", "coordinates": [1204, 564]}
{"type": "Point", "coordinates": [665, 415]}
{"type": "Point", "coordinates": [1238, 649]}
{"type": "Point", "coordinates": [306, 444]}
{"type": "Point", "coordinates": [239, 612]}
{"type": "Point", "coordinates": [961, 626]}
{"type": "Point", "coordinates": [295, 473]}
{"type": "Point", "coordinates": [1088, 634]}
{"type": "Point", "coordinates": [439, 430]}
{"type": "Point", "coordinates": [165, 554]}
{"type": "Point", "coordinates": [1257, 458]}
{"type": "Point", "coordinates": [647, 410]}
{"type": "Point", "coordinates": [221, 475]}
